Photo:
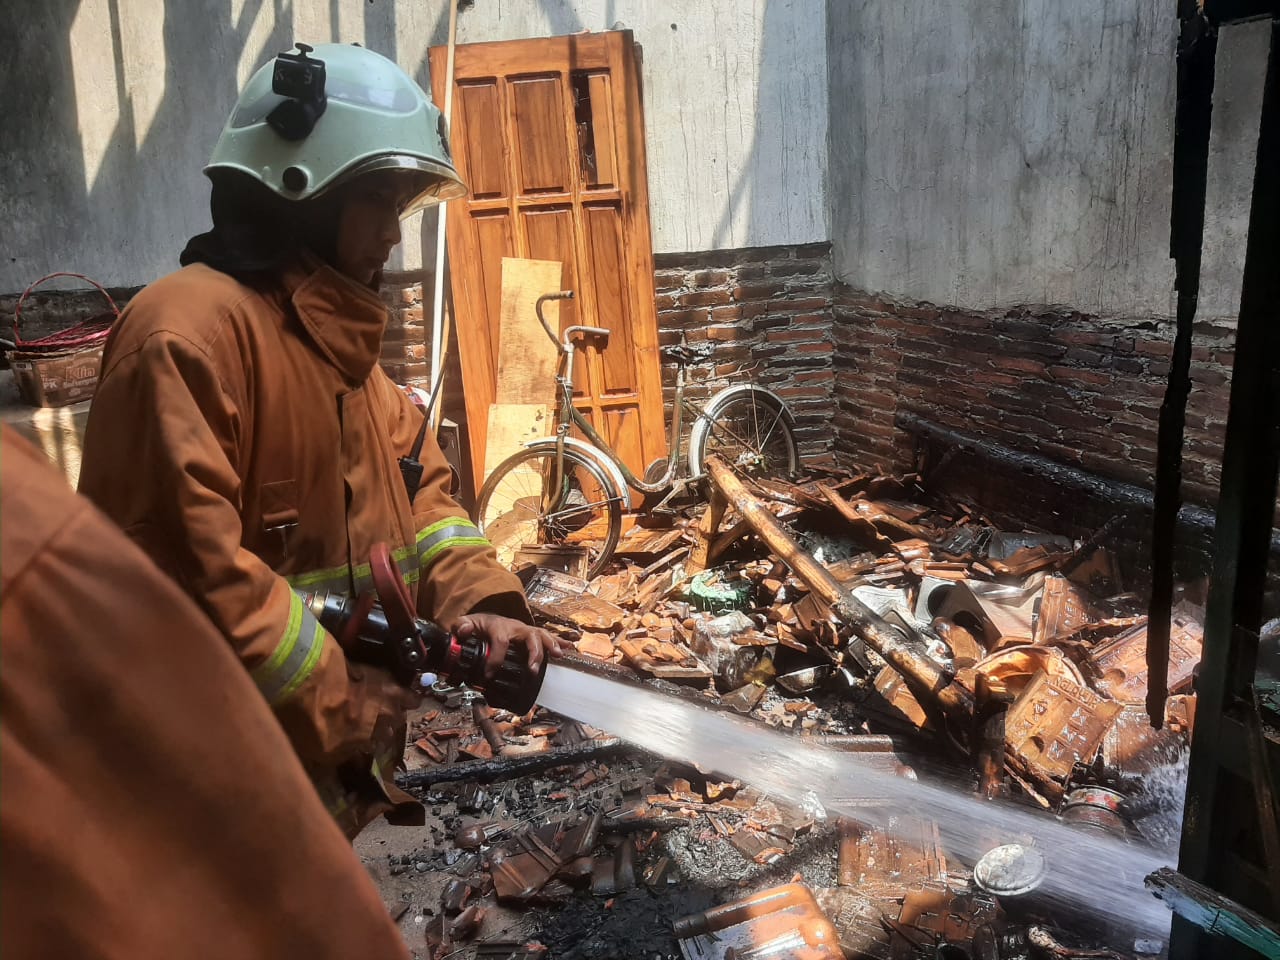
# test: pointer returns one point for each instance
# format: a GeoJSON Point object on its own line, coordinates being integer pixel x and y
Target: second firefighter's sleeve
{"type": "Point", "coordinates": [459, 568]}
{"type": "Point", "coordinates": [159, 458]}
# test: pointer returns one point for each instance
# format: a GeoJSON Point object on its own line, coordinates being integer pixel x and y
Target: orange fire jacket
{"type": "Point", "coordinates": [247, 439]}
{"type": "Point", "coordinates": [149, 804]}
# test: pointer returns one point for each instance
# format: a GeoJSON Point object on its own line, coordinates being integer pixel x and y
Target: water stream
{"type": "Point", "coordinates": [1087, 871]}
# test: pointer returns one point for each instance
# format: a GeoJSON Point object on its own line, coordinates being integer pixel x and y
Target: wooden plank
{"type": "Point", "coordinates": [511, 426]}
{"type": "Point", "coordinates": [706, 531]}
{"type": "Point", "coordinates": [1211, 911]}
{"type": "Point", "coordinates": [602, 129]}
{"type": "Point", "coordinates": [527, 358]}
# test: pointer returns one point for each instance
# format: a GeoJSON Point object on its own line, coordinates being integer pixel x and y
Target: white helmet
{"type": "Point", "coordinates": [305, 124]}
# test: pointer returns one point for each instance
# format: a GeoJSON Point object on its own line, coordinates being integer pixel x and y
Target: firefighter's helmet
{"type": "Point", "coordinates": [313, 120]}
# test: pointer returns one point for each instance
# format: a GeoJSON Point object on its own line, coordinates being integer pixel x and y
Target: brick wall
{"type": "Point", "coordinates": [765, 313]}
{"type": "Point", "coordinates": [406, 344]}
{"type": "Point", "coordinates": [1074, 388]}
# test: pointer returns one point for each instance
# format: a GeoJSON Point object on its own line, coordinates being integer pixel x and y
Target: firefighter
{"type": "Point", "coordinates": [244, 435]}
{"type": "Point", "coordinates": [149, 804]}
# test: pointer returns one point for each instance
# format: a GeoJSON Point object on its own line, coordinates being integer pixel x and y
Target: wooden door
{"type": "Point", "coordinates": [549, 136]}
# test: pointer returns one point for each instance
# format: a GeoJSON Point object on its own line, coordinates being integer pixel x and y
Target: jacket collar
{"type": "Point", "coordinates": [345, 319]}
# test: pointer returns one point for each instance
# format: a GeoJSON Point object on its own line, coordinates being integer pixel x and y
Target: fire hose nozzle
{"type": "Point", "coordinates": [410, 647]}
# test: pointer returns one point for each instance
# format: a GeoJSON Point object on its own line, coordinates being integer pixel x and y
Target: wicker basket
{"type": "Point", "coordinates": [63, 367]}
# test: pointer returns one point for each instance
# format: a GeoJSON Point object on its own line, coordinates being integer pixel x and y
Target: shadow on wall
{"type": "Point", "coordinates": [128, 185]}
{"type": "Point", "coordinates": [775, 111]}
{"type": "Point", "coordinates": [111, 113]}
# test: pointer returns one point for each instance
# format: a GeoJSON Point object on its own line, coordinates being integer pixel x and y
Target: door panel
{"type": "Point", "coordinates": [622, 430]}
{"type": "Point", "coordinates": [599, 143]}
{"type": "Point", "coordinates": [484, 161]}
{"type": "Point", "coordinates": [604, 241]}
{"type": "Point", "coordinates": [549, 235]}
{"type": "Point", "coordinates": [539, 118]}
{"type": "Point", "coordinates": [494, 241]}
{"type": "Point", "coordinates": [549, 135]}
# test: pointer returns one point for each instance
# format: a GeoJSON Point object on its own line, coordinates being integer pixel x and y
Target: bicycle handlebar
{"type": "Point", "coordinates": [569, 331]}
{"type": "Point", "coordinates": [560, 295]}
{"type": "Point", "coordinates": [590, 331]}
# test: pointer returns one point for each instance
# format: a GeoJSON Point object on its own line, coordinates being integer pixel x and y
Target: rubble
{"type": "Point", "coordinates": [842, 611]}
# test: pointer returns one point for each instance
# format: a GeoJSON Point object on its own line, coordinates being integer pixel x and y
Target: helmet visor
{"type": "Point", "coordinates": [434, 182]}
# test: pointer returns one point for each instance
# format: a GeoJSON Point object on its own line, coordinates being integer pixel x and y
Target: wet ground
{"type": "Point", "coordinates": [412, 866]}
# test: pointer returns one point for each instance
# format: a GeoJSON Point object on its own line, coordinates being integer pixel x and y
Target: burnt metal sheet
{"type": "Point", "coordinates": [1063, 610]}
{"type": "Point", "coordinates": [942, 916]}
{"type": "Point", "coordinates": [1055, 724]}
{"type": "Point", "coordinates": [759, 847]}
{"type": "Point", "coordinates": [1120, 664]}
{"type": "Point", "coordinates": [783, 922]}
{"type": "Point", "coordinates": [884, 864]}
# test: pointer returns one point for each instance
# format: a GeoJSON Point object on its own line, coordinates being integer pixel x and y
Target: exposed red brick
{"type": "Point", "coordinates": [920, 311]}
{"type": "Point", "coordinates": [723, 314]}
{"type": "Point", "coordinates": [710, 278]}
{"type": "Point", "coordinates": [1154, 348]}
{"type": "Point", "coordinates": [686, 317]}
{"type": "Point", "coordinates": [1023, 364]}
{"type": "Point", "coordinates": [1080, 375]}
{"type": "Point", "coordinates": [817, 392]}
{"type": "Point", "coordinates": [813, 348]}
{"type": "Point", "coordinates": [758, 291]}
{"type": "Point", "coordinates": [794, 333]}
{"type": "Point", "coordinates": [802, 305]}
{"type": "Point", "coordinates": [704, 298]}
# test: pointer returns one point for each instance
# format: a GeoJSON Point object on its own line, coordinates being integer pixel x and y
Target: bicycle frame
{"type": "Point", "coordinates": [568, 415]}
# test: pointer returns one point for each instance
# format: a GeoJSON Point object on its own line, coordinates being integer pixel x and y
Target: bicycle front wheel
{"type": "Point", "coordinates": [748, 428]}
{"type": "Point", "coordinates": [535, 497]}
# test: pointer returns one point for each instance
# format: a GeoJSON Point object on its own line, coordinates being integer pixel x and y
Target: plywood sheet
{"type": "Point", "coordinates": [511, 426]}
{"type": "Point", "coordinates": [526, 356]}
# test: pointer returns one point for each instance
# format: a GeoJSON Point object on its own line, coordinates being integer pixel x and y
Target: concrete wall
{"type": "Point", "coordinates": [114, 105]}
{"type": "Point", "coordinates": [735, 106]}
{"type": "Point", "coordinates": [1019, 151]}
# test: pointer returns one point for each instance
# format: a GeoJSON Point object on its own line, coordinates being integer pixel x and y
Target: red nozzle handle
{"type": "Point", "coordinates": [392, 592]}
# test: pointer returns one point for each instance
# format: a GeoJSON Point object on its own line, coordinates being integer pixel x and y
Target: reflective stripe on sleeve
{"type": "Point", "coordinates": [337, 579]}
{"type": "Point", "coordinates": [445, 534]}
{"type": "Point", "coordinates": [294, 657]}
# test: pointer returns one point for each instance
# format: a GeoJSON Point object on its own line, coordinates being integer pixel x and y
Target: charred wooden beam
{"type": "Point", "coordinates": [1197, 50]}
{"type": "Point", "coordinates": [1246, 505]}
{"type": "Point", "coordinates": [927, 679]}
{"type": "Point", "coordinates": [507, 768]}
{"type": "Point", "coordinates": [1190, 517]}
{"type": "Point", "coordinates": [480, 717]}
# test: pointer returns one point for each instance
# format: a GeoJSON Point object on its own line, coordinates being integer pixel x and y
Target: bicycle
{"type": "Point", "coordinates": [567, 491]}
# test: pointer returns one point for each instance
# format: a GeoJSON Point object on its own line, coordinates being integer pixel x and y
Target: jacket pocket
{"type": "Point", "coordinates": [279, 509]}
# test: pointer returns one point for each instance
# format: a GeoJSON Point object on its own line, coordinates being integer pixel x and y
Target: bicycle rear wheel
{"type": "Point", "coordinates": [521, 505]}
{"type": "Point", "coordinates": [748, 428]}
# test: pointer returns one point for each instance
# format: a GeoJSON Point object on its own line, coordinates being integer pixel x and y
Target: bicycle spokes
{"type": "Point", "coordinates": [753, 451]}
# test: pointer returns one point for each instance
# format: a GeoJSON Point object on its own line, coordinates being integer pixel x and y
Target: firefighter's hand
{"type": "Point", "coordinates": [502, 632]}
